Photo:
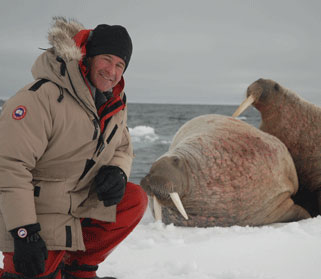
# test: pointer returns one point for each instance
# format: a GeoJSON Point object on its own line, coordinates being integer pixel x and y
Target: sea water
{"type": "Point", "coordinates": [153, 126]}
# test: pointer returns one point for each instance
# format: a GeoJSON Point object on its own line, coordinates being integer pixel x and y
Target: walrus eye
{"type": "Point", "coordinates": [176, 161]}
{"type": "Point", "coordinates": [276, 87]}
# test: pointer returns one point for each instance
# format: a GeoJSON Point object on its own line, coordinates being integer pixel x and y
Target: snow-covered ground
{"type": "Point", "coordinates": [156, 251]}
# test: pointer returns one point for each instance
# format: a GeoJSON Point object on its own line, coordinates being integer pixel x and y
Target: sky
{"type": "Point", "coordinates": [196, 52]}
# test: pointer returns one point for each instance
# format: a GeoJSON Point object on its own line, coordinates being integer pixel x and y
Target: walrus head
{"type": "Point", "coordinates": [262, 92]}
{"type": "Point", "coordinates": [166, 183]}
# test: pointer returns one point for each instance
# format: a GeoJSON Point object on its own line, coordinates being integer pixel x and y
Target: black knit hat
{"type": "Point", "coordinates": [110, 39]}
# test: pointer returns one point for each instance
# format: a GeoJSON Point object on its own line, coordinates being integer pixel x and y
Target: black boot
{"type": "Point", "coordinates": [74, 267]}
{"type": "Point", "coordinates": [66, 275]}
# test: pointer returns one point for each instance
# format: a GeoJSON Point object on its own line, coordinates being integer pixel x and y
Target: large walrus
{"type": "Point", "coordinates": [297, 123]}
{"type": "Point", "coordinates": [226, 172]}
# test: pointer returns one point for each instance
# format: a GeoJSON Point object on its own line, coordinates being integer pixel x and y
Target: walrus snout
{"type": "Point", "coordinates": [258, 91]}
{"type": "Point", "coordinates": [160, 187]}
{"type": "Point", "coordinates": [255, 89]}
{"type": "Point", "coordinates": [264, 90]}
{"type": "Point", "coordinates": [166, 183]}
{"type": "Point", "coordinates": [166, 175]}
{"type": "Point", "coordinates": [162, 191]}
{"type": "Point", "coordinates": [253, 93]}
{"type": "Point", "coordinates": [157, 186]}
{"type": "Point", "coordinates": [145, 183]}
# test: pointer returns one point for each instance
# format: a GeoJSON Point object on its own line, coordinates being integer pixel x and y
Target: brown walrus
{"type": "Point", "coordinates": [226, 172]}
{"type": "Point", "coordinates": [297, 123]}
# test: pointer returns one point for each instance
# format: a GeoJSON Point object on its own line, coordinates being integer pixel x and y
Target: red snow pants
{"type": "Point", "coordinates": [100, 239]}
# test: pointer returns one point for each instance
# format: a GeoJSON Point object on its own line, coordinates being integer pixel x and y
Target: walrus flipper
{"type": "Point", "coordinates": [295, 213]}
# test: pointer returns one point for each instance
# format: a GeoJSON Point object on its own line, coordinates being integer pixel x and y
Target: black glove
{"type": "Point", "coordinates": [30, 251]}
{"type": "Point", "coordinates": [110, 183]}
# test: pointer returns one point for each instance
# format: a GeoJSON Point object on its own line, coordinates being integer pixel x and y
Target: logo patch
{"type": "Point", "coordinates": [19, 112]}
{"type": "Point", "coordinates": [22, 233]}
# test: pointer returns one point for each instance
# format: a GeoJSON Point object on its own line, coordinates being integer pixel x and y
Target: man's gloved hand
{"type": "Point", "coordinates": [110, 183]}
{"type": "Point", "coordinates": [30, 251]}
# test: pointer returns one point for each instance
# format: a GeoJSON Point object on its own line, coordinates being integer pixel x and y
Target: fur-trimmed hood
{"type": "Point", "coordinates": [61, 38]}
{"type": "Point", "coordinates": [63, 64]}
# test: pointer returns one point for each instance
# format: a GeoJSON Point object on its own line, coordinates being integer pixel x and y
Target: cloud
{"type": "Point", "coordinates": [184, 51]}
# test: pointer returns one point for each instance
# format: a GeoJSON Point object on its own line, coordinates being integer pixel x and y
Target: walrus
{"type": "Point", "coordinates": [221, 171]}
{"type": "Point", "coordinates": [297, 123]}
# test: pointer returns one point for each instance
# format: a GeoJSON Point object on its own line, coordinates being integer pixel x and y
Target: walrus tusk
{"type": "Point", "coordinates": [178, 203]}
{"type": "Point", "coordinates": [157, 209]}
{"type": "Point", "coordinates": [245, 104]}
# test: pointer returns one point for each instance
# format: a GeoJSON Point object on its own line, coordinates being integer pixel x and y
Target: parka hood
{"type": "Point", "coordinates": [61, 38]}
{"type": "Point", "coordinates": [63, 63]}
{"type": "Point", "coordinates": [64, 49]}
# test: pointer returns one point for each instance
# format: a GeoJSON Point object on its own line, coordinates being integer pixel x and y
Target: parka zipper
{"type": "Point", "coordinates": [100, 144]}
{"type": "Point", "coordinates": [96, 129]}
{"type": "Point", "coordinates": [80, 100]}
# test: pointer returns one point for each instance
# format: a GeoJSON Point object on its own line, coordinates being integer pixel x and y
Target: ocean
{"type": "Point", "coordinates": [153, 126]}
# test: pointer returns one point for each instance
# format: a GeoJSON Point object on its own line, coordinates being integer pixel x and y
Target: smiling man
{"type": "Point", "coordinates": [65, 158]}
{"type": "Point", "coordinates": [106, 71]}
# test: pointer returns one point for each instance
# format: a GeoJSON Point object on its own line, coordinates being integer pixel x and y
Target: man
{"type": "Point", "coordinates": [65, 156]}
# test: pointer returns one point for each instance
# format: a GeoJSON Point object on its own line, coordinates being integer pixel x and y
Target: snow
{"type": "Point", "coordinates": [156, 251]}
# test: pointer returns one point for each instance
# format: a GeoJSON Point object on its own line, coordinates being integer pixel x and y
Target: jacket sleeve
{"type": "Point", "coordinates": [123, 156]}
{"type": "Point", "coordinates": [25, 128]}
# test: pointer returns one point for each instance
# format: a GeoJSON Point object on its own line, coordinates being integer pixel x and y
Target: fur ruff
{"type": "Point", "coordinates": [61, 35]}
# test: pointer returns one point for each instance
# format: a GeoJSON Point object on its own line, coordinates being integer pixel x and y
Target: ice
{"type": "Point", "coordinates": [143, 134]}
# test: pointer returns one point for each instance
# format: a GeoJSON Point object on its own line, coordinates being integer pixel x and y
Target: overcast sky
{"type": "Point", "coordinates": [185, 51]}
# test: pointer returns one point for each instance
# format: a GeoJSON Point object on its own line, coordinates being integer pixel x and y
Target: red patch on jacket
{"type": "Point", "coordinates": [19, 112]}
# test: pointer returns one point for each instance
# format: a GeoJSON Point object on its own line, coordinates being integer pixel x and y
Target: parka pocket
{"type": "Point", "coordinates": [51, 196]}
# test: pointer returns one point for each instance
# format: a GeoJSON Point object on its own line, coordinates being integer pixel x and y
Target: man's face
{"type": "Point", "coordinates": [105, 71]}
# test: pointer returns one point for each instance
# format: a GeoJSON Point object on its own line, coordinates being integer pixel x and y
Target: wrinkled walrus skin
{"type": "Point", "coordinates": [226, 173]}
{"type": "Point", "coordinates": [297, 123]}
